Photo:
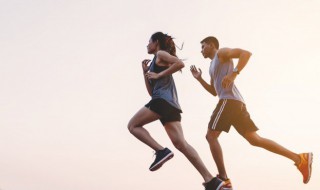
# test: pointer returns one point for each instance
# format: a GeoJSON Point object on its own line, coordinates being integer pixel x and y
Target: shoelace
{"type": "Point", "coordinates": [154, 154]}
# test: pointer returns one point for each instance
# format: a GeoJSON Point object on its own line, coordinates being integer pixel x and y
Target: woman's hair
{"type": "Point", "coordinates": [166, 42]}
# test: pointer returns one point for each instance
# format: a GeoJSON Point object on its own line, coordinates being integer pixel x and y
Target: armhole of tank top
{"type": "Point", "coordinates": [153, 62]}
{"type": "Point", "coordinates": [154, 59]}
{"type": "Point", "coordinates": [217, 56]}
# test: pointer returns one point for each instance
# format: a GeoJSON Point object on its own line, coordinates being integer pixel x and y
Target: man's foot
{"type": "Point", "coordinates": [305, 166]}
{"type": "Point", "coordinates": [214, 184]}
{"type": "Point", "coordinates": [227, 184]}
{"type": "Point", "coordinates": [161, 157]}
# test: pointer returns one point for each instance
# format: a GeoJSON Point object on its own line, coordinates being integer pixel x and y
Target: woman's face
{"type": "Point", "coordinates": [152, 46]}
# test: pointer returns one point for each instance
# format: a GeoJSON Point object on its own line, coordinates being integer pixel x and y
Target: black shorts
{"type": "Point", "coordinates": [166, 111]}
{"type": "Point", "coordinates": [231, 112]}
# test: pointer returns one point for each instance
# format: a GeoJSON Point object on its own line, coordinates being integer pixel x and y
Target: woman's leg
{"type": "Point", "coordinates": [175, 133]}
{"type": "Point", "coordinates": [135, 126]}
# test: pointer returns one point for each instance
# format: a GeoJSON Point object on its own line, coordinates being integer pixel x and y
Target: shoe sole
{"type": "Point", "coordinates": [226, 188]}
{"type": "Point", "coordinates": [220, 186]}
{"type": "Point", "coordinates": [310, 157]}
{"type": "Point", "coordinates": [161, 162]}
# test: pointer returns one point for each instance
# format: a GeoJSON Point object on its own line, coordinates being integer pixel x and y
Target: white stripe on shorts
{"type": "Point", "coordinates": [219, 114]}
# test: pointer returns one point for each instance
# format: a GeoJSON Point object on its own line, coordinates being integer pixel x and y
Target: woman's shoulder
{"type": "Point", "coordinates": [162, 58]}
{"type": "Point", "coordinates": [161, 54]}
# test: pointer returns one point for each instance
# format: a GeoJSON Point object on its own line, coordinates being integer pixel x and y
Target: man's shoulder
{"type": "Point", "coordinates": [223, 54]}
{"type": "Point", "coordinates": [223, 51]}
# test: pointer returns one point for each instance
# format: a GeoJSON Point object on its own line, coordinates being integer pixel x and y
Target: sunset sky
{"type": "Point", "coordinates": [71, 79]}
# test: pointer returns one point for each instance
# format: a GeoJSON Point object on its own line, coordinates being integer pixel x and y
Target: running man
{"type": "Point", "coordinates": [231, 108]}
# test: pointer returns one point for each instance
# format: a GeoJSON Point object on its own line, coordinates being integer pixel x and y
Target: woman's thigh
{"type": "Point", "coordinates": [142, 117]}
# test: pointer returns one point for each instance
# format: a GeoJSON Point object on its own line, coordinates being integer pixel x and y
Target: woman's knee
{"type": "Point", "coordinates": [132, 125]}
{"type": "Point", "coordinates": [179, 144]}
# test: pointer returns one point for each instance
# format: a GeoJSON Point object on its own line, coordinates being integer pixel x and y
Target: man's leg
{"type": "Point", "coordinates": [175, 133]}
{"type": "Point", "coordinates": [135, 126]}
{"type": "Point", "coordinates": [254, 139]}
{"type": "Point", "coordinates": [216, 151]}
{"type": "Point", "coordinates": [302, 161]}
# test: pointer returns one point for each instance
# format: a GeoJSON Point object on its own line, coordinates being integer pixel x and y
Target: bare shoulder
{"type": "Point", "coordinates": [162, 54]}
{"type": "Point", "coordinates": [228, 53]}
{"type": "Point", "coordinates": [224, 54]}
{"type": "Point", "coordinates": [164, 58]}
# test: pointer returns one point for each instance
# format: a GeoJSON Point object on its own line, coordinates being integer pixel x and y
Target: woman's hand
{"type": "Point", "coordinates": [145, 66]}
{"type": "Point", "coordinates": [152, 75]}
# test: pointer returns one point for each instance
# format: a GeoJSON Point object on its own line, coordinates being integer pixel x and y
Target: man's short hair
{"type": "Point", "coordinates": [211, 40]}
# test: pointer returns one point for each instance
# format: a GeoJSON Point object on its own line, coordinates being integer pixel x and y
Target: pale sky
{"type": "Point", "coordinates": [71, 79]}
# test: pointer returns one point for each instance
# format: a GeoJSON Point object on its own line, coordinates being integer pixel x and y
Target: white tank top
{"type": "Point", "coordinates": [218, 71]}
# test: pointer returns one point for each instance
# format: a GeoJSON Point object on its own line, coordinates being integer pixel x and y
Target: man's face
{"type": "Point", "coordinates": [206, 49]}
{"type": "Point", "coordinates": [152, 46]}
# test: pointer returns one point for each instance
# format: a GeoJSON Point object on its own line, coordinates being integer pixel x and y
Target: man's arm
{"type": "Point", "coordinates": [243, 56]}
{"type": "Point", "coordinates": [225, 54]}
{"type": "Point", "coordinates": [197, 75]}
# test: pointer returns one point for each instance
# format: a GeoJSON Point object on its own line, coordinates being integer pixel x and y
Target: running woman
{"type": "Point", "coordinates": [231, 108]}
{"type": "Point", "coordinates": [164, 106]}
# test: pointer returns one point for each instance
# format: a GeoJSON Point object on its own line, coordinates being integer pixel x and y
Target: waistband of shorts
{"type": "Point", "coordinates": [231, 100]}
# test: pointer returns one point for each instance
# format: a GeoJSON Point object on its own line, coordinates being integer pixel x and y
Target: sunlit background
{"type": "Point", "coordinates": [71, 78]}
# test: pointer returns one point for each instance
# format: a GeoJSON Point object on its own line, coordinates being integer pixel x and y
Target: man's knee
{"type": "Point", "coordinates": [253, 138]}
{"type": "Point", "coordinates": [212, 135]}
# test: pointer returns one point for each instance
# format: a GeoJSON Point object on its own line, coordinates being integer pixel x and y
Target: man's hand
{"type": "Point", "coordinates": [227, 80]}
{"type": "Point", "coordinates": [145, 66]}
{"type": "Point", "coordinates": [196, 74]}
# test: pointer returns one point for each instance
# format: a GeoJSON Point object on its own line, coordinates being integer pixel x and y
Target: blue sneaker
{"type": "Point", "coordinates": [161, 157]}
{"type": "Point", "coordinates": [214, 184]}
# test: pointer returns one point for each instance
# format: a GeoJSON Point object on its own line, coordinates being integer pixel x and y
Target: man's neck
{"type": "Point", "coordinates": [213, 54]}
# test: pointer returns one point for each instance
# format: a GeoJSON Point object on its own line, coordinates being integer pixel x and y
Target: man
{"type": "Point", "coordinates": [231, 109]}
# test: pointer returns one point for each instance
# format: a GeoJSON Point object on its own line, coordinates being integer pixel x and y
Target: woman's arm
{"type": "Point", "coordinates": [145, 69]}
{"type": "Point", "coordinates": [165, 59]}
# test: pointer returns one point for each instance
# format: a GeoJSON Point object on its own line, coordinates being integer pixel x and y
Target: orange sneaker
{"type": "Point", "coordinates": [227, 184]}
{"type": "Point", "coordinates": [305, 166]}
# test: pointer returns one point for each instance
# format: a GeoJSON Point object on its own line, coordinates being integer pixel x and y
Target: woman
{"type": "Point", "coordinates": [164, 106]}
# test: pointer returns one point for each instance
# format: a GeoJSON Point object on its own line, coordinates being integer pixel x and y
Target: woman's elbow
{"type": "Point", "coordinates": [181, 65]}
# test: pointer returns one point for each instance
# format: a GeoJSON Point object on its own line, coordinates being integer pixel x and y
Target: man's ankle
{"type": "Point", "coordinates": [223, 178]}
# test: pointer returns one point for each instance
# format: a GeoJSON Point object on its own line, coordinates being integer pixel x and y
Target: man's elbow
{"type": "Point", "coordinates": [214, 93]}
{"type": "Point", "coordinates": [248, 54]}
